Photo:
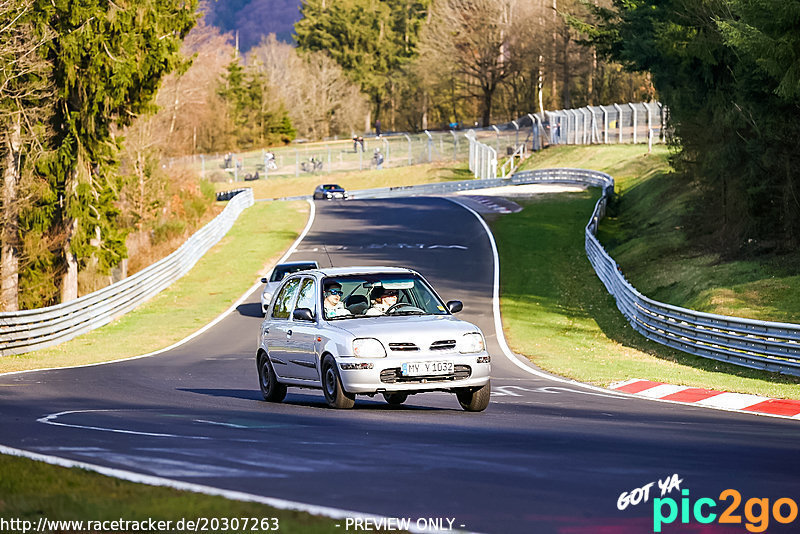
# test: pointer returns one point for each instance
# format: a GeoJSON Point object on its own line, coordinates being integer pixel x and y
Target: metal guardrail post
{"type": "Point", "coordinates": [619, 121]}
{"type": "Point", "coordinates": [430, 146]}
{"type": "Point", "coordinates": [534, 132]}
{"type": "Point", "coordinates": [516, 134]}
{"type": "Point", "coordinates": [635, 125]}
{"type": "Point", "coordinates": [585, 136]}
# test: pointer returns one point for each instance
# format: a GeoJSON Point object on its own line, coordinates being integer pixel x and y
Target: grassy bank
{"type": "Point", "coordinates": [215, 282]}
{"type": "Point", "coordinates": [32, 490]}
{"type": "Point", "coordinates": [280, 187]}
{"type": "Point", "coordinates": [557, 312]}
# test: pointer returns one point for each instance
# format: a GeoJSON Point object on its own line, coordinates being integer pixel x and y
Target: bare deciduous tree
{"type": "Point", "coordinates": [321, 101]}
{"type": "Point", "coordinates": [476, 41]}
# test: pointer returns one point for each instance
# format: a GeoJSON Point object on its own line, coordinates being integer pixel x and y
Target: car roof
{"type": "Point", "coordinates": [292, 263]}
{"type": "Point", "coordinates": [347, 271]}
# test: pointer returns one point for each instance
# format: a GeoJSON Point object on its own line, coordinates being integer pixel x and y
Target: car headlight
{"type": "Point", "coordinates": [368, 347]}
{"type": "Point", "coordinates": [470, 343]}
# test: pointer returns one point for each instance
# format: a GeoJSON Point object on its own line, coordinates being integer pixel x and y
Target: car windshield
{"type": "Point", "coordinates": [331, 187]}
{"type": "Point", "coordinates": [375, 295]}
{"type": "Point", "coordinates": [281, 271]}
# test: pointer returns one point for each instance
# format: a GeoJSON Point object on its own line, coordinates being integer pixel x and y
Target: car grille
{"type": "Point", "coordinates": [393, 376]}
{"type": "Point", "coordinates": [445, 344]}
{"type": "Point", "coordinates": [403, 347]}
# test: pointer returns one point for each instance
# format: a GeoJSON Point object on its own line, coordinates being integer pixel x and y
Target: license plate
{"type": "Point", "coordinates": [439, 367]}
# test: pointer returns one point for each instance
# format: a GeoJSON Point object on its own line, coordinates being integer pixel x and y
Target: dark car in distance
{"type": "Point", "coordinates": [330, 191]}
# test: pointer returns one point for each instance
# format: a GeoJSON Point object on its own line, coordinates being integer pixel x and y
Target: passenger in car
{"type": "Point", "coordinates": [333, 301]}
{"type": "Point", "coordinates": [382, 300]}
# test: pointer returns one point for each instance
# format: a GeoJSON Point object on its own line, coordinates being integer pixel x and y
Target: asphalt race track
{"type": "Point", "coordinates": [546, 456]}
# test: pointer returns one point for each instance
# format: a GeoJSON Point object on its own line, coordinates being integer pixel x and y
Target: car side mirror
{"type": "Point", "coordinates": [263, 280]}
{"type": "Point", "coordinates": [302, 314]}
{"type": "Point", "coordinates": [455, 306]}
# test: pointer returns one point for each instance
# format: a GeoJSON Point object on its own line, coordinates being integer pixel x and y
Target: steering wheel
{"type": "Point", "coordinates": [398, 305]}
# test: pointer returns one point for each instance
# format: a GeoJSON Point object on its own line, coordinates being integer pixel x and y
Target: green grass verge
{"type": "Point", "coordinates": [557, 312]}
{"type": "Point", "coordinates": [31, 490]}
{"type": "Point", "coordinates": [281, 187]}
{"type": "Point", "coordinates": [260, 236]}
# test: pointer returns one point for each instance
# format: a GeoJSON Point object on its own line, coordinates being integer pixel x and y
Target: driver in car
{"type": "Point", "coordinates": [382, 300]}
{"type": "Point", "coordinates": [334, 307]}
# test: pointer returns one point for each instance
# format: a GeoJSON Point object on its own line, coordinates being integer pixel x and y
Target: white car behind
{"type": "Point", "coordinates": [272, 282]}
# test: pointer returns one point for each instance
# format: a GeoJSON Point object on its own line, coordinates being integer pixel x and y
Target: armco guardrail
{"type": "Point", "coordinates": [770, 346]}
{"type": "Point", "coordinates": [30, 330]}
{"type": "Point", "coordinates": [763, 345]}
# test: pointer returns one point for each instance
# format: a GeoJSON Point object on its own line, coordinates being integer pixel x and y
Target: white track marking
{"type": "Point", "coordinates": [281, 504]}
{"type": "Point", "coordinates": [731, 401]}
{"type": "Point", "coordinates": [663, 390]}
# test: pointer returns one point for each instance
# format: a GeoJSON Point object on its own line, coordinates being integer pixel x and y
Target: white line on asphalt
{"type": "Point", "coordinates": [281, 504]}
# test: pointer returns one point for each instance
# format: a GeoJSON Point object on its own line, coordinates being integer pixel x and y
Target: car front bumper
{"type": "Point", "coordinates": [385, 375]}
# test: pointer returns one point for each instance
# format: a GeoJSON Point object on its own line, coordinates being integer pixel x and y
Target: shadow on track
{"type": "Point", "coordinates": [250, 309]}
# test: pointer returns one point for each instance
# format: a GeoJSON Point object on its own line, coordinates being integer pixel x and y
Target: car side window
{"type": "Point", "coordinates": [306, 297]}
{"type": "Point", "coordinates": [284, 299]}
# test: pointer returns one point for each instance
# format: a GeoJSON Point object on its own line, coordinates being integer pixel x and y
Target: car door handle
{"type": "Point", "coordinates": [288, 333]}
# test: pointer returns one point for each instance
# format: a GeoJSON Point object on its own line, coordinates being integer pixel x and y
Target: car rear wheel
{"type": "Point", "coordinates": [271, 389]}
{"type": "Point", "coordinates": [395, 399]}
{"type": "Point", "coordinates": [475, 399]}
{"type": "Point", "coordinates": [336, 396]}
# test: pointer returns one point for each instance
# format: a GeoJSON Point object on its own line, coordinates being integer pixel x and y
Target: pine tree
{"type": "Point", "coordinates": [25, 93]}
{"type": "Point", "coordinates": [108, 59]}
{"type": "Point", "coordinates": [369, 39]}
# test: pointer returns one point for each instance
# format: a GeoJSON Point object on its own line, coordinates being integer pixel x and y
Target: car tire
{"type": "Point", "coordinates": [395, 399]}
{"type": "Point", "coordinates": [475, 399]}
{"type": "Point", "coordinates": [335, 394]}
{"type": "Point", "coordinates": [271, 389]}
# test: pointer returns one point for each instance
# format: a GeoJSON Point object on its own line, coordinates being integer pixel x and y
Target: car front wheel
{"type": "Point", "coordinates": [336, 396]}
{"type": "Point", "coordinates": [271, 389]}
{"type": "Point", "coordinates": [475, 399]}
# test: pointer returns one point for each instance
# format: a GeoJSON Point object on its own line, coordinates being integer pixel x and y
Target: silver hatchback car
{"type": "Point", "coordinates": [369, 330]}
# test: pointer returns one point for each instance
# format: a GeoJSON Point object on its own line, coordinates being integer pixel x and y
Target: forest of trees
{"type": "Point", "coordinates": [428, 63]}
{"type": "Point", "coordinates": [729, 72]}
{"type": "Point", "coordinates": [94, 97]}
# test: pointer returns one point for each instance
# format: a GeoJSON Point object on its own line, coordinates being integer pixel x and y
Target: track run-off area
{"type": "Point", "coordinates": [548, 455]}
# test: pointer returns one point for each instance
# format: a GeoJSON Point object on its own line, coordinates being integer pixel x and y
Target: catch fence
{"type": "Point", "coordinates": [486, 148]}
